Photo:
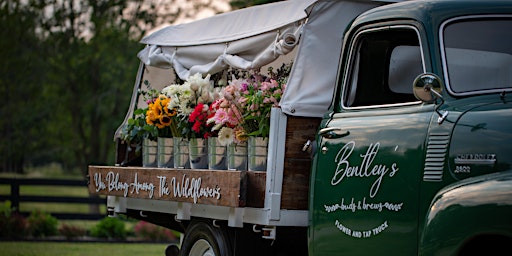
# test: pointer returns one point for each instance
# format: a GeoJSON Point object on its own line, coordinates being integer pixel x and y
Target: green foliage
{"type": "Point", "coordinates": [21, 73]}
{"type": "Point", "coordinates": [137, 129]}
{"type": "Point", "coordinates": [109, 228]}
{"type": "Point", "coordinates": [6, 209]}
{"type": "Point", "coordinates": [67, 75]}
{"type": "Point", "coordinates": [75, 90]}
{"type": "Point", "coordinates": [12, 224]}
{"type": "Point", "coordinates": [41, 224]}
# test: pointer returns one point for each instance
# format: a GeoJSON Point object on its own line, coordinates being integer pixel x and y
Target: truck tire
{"type": "Point", "coordinates": [203, 239]}
{"type": "Point", "coordinates": [172, 250]}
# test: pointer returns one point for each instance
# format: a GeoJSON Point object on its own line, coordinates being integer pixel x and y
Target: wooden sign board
{"type": "Point", "coordinates": [214, 187]}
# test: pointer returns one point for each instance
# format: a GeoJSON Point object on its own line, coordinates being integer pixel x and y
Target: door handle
{"type": "Point", "coordinates": [333, 132]}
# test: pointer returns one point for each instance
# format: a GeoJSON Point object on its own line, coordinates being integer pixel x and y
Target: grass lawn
{"type": "Point", "coordinates": [79, 249]}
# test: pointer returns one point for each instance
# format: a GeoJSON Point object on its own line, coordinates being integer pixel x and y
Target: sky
{"type": "Point", "coordinates": [218, 5]}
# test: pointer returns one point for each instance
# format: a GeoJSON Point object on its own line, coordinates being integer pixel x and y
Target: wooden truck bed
{"type": "Point", "coordinates": [288, 183]}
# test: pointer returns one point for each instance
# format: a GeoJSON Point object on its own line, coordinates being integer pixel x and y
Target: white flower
{"type": "Point", "coordinates": [186, 94]}
{"type": "Point", "coordinates": [226, 136]}
{"type": "Point", "coordinates": [197, 82]}
{"type": "Point", "coordinates": [173, 103]}
{"type": "Point", "coordinates": [185, 109]}
{"type": "Point", "coordinates": [171, 90]}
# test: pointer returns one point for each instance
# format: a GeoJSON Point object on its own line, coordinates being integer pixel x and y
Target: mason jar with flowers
{"type": "Point", "coordinates": [259, 97]}
{"type": "Point", "coordinates": [161, 116]}
{"type": "Point", "coordinates": [139, 135]}
{"type": "Point", "coordinates": [180, 97]}
{"type": "Point", "coordinates": [190, 99]}
{"type": "Point", "coordinates": [227, 120]}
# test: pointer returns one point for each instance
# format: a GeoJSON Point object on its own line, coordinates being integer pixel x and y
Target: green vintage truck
{"type": "Point", "coordinates": [393, 136]}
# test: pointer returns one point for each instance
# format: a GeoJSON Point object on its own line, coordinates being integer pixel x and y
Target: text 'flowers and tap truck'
{"type": "Point", "coordinates": [317, 127]}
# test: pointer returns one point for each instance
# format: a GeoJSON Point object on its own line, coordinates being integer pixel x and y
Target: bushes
{"type": "Point", "coordinates": [109, 228]}
{"type": "Point", "coordinates": [152, 232]}
{"type": "Point", "coordinates": [71, 231]}
{"type": "Point", "coordinates": [12, 224]}
{"type": "Point", "coordinates": [38, 224]}
{"type": "Point", "coordinates": [41, 224]}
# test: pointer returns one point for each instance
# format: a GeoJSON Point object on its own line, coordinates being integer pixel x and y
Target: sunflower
{"type": "Point", "coordinates": [170, 112]}
{"type": "Point", "coordinates": [164, 121]}
{"type": "Point", "coordinates": [151, 117]}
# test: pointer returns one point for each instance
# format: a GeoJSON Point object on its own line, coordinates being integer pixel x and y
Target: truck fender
{"type": "Point", "coordinates": [468, 215]}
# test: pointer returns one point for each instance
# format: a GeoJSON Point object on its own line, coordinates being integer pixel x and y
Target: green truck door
{"type": "Point", "coordinates": [369, 163]}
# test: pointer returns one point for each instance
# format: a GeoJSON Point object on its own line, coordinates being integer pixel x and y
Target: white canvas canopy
{"type": "Point", "coordinates": [254, 37]}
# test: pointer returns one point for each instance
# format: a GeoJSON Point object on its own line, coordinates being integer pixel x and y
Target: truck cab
{"type": "Point", "coordinates": [413, 157]}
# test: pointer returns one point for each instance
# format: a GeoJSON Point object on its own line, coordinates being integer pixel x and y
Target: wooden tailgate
{"type": "Point", "coordinates": [213, 187]}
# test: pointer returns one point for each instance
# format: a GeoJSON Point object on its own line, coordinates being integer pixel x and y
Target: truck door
{"type": "Point", "coordinates": [366, 172]}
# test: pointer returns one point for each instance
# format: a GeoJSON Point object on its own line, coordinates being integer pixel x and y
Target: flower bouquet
{"type": "Point", "coordinates": [258, 96]}
{"type": "Point", "coordinates": [161, 116]}
{"type": "Point", "coordinates": [138, 133]}
{"type": "Point", "coordinates": [137, 129]}
{"type": "Point", "coordinates": [192, 100]}
{"type": "Point", "coordinates": [226, 119]}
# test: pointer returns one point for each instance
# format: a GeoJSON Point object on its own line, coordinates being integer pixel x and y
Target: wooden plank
{"type": "Point", "coordinates": [295, 193]}
{"type": "Point", "coordinates": [213, 187]}
{"type": "Point", "coordinates": [298, 131]}
{"type": "Point", "coordinates": [297, 164]}
{"type": "Point", "coordinates": [256, 182]}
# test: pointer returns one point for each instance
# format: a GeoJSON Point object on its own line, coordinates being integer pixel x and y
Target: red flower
{"type": "Point", "coordinates": [199, 118]}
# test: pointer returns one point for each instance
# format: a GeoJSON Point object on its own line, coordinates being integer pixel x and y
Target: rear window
{"type": "Point", "coordinates": [478, 55]}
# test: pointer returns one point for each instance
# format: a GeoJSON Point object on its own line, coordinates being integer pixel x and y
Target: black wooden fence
{"type": "Point", "coordinates": [16, 198]}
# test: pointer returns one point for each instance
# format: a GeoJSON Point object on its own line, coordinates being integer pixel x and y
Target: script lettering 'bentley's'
{"type": "Point", "coordinates": [367, 169]}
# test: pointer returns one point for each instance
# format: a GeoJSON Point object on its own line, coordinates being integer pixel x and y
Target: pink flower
{"type": "Point", "coordinates": [221, 116]}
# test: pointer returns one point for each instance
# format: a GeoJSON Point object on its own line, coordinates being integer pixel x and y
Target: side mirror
{"type": "Point", "coordinates": [427, 87]}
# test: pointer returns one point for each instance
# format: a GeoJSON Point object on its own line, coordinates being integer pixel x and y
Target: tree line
{"type": "Point", "coordinates": [66, 75]}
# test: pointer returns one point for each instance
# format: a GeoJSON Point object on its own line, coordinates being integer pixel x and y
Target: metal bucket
{"type": "Point", "coordinates": [237, 156]}
{"type": "Point", "coordinates": [217, 155]}
{"type": "Point", "coordinates": [165, 152]}
{"type": "Point", "coordinates": [198, 153]}
{"type": "Point", "coordinates": [149, 153]}
{"type": "Point", "coordinates": [257, 150]}
{"type": "Point", "coordinates": [181, 154]}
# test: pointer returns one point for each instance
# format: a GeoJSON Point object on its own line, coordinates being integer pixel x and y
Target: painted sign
{"type": "Point", "coordinates": [369, 169]}
{"type": "Point", "coordinates": [224, 188]}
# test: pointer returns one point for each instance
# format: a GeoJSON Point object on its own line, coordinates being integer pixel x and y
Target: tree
{"type": "Point", "coordinates": [67, 72]}
{"type": "Point", "coordinates": [21, 72]}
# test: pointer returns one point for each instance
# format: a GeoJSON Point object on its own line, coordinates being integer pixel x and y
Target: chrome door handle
{"type": "Point", "coordinates": [332, 133]}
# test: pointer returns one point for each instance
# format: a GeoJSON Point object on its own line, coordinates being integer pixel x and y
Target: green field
{"type": "Point", "coordinates": [79, 249]}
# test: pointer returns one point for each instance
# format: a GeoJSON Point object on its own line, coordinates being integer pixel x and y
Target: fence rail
{"type": "Point", "coordinates": [16, 198]}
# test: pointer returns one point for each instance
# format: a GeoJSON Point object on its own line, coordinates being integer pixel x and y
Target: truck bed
{"type": "Point", "coordinates": [276, 197]}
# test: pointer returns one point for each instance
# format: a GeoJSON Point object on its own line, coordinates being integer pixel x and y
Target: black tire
{"type": "Point", "coordinates": [203, 239]}
{"type": "Point", "coordinates": [172, 250]}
